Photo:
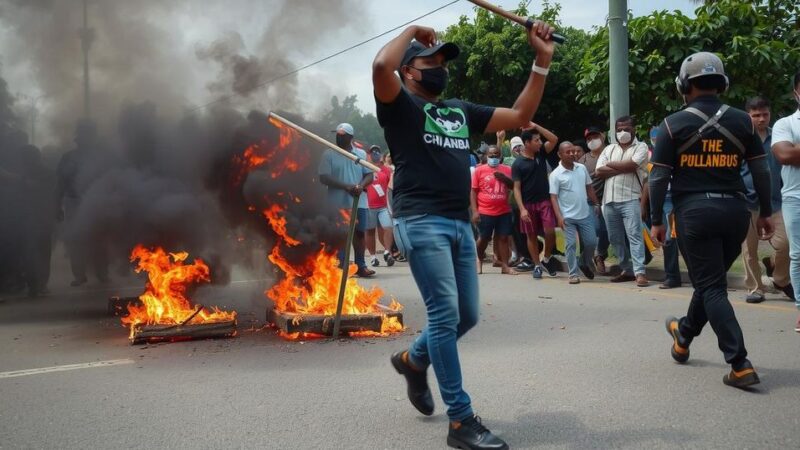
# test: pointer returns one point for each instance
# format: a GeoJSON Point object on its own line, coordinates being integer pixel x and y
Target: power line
{"type": "Point", "coordinates": [279, 77]}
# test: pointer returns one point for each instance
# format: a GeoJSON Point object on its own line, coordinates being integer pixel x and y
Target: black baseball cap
{"type": "Point", "coordinates": [416, 48]}
{"type": "Point", "coordinates": [592, 130]}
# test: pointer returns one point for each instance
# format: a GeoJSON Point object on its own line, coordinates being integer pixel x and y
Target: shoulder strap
{"type": "Point", "coordinates": [711, 122]}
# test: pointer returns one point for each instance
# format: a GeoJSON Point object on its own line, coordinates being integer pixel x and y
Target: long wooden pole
{"type": "Point", "coordinates": [326, 143]}
{"type": "Point", "coordinates": [337, 321]}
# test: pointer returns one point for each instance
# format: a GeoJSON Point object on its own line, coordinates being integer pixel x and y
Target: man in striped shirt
{"type": "Point", "coordinates": [624, 167]}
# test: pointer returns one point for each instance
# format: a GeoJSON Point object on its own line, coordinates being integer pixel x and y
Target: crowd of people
{"type": "Point", "coordinates": [594, 191]}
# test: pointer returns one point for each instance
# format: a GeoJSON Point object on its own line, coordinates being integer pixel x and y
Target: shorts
{"type": "Point", "coordinates": [542, 218]}
{"type": "Point", "coordinates": [377, 216]}
{"type": "Point", "coordinates": [499, 225]}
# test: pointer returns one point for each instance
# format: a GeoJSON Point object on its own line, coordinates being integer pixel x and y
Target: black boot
{"type": "Point", "coordinates": [470, 434]}
{"type": "Point", "coordinates": [419, 394]}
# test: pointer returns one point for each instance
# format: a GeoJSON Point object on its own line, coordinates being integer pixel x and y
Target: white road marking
{"type": "Point", "coordinates": [22, 373]}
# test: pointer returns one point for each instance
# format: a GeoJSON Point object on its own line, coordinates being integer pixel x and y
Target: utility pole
{"type": "Point", "coordinates": [618, 61]}
{"type": "Point", "coordinates": [87, 37]}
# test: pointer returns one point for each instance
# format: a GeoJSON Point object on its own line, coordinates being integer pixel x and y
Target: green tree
{"type": "Point", "coordinates": [759, 42]}
{"type": "Point", "coordinates": [366, 126]}
{"type": "Point", "coordinates": [496, 61]}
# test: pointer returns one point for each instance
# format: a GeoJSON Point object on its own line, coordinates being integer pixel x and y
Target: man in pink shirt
{"type": "Point", "coordinates": [491, 185]}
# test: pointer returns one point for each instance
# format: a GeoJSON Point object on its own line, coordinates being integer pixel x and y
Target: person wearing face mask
{"type": "Point", "coordinates": [429, 140]}
{"type": "Point", "coordinates": [378, 215]}
{"type": "Point", "coordinates": [523, 258]}
{"type": "Point", "coordinates": [786, 148]}
{"type": "Point", "coordinates": [623, 166]}
{"type": "Point", "coordinates": [596, 142]}
{"type": "Point", "coordinates": [491, 184]}
{"type": "Point", "coordinates": [699, 153]}
{"type": "Point", "coordinates": [345, 180]}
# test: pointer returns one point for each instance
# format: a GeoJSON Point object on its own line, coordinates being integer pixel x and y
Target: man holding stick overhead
{"type": "Point", "coordinates": [429, 142]}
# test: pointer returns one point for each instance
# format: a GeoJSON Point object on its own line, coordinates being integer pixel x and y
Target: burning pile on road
{"type": "Point", "coordinates": [305, 298]}
{"type": "Point", "coordinates": [165, 312]}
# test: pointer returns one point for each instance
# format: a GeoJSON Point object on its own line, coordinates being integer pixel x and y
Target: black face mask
{"type": "Point", "coordinates": [434, 80]}
{"type": "Point", "coordinates": [344, 141]}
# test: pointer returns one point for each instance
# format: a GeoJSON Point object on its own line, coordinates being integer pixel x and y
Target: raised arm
{"type": "Point", "coordinates": [528, 101]}
{"type": "Point", "coordinates": [551, 140]}
{"type": "Point", "coordinates": [384, 77]}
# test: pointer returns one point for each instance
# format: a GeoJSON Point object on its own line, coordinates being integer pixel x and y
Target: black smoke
{"type": "Point", "coordinates": [160, 171]}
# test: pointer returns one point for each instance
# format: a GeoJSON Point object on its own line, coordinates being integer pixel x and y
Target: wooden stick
{"type": "Point", "coordinates": [526, 22]}
{"type": "Point", "coordinates": [345, 266]}
{"type": "Point", "coordinates": [326, 143]}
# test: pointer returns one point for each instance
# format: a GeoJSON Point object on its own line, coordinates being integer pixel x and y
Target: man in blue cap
{"type": "Point", "coordinates": [429, 142]}
{"type": "Point", "coordinates": [345, 179]}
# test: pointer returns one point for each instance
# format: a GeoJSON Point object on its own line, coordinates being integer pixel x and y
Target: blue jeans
{"type": "Point", "coordinates": [625, 219]}
{"type": "Point", "coordinates": [585, 228]}
{"type": "Point", "coordinates": [442, 254]}
{"type": "Point", "coordinates": [791, 219]}
{"type": "Point", "coordinates": [672, 268]}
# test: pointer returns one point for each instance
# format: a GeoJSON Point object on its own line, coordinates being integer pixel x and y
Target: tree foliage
{"type": "Point", "coordinates": [495, 64]}
{"type": "Point", "coordinates": [758, 41]}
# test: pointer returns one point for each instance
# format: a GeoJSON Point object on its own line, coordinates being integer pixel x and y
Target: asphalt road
{"type": "Point", "coordinates": [549, 366]}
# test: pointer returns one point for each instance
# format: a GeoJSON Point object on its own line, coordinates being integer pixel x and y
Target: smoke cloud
{"type": "Point", "coordinates": [159, 170]}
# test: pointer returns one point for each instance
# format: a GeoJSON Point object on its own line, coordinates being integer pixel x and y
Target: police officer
{"type": "Point", "coordinates": [700, 150]}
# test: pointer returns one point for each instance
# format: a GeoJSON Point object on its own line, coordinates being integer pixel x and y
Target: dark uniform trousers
{"type": "Point", "coordinates": [710, 235]}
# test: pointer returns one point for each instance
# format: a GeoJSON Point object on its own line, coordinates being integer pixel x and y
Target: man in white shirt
{"type": "Point", "coordinates": [624, 167]}
{"type": "Point", "coordinates": [570, 192]}
{"type": "Point", "coordinates": [786, 148]}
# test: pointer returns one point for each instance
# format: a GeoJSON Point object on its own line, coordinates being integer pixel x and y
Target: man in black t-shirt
{"type": "Point", "coordinates": [699, 153]}
{"type": "Point", "coordinates": [532, 194]}
{"type": "Point", "coordinates": [429, 142]}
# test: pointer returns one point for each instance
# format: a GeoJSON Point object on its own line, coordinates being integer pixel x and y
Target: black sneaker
{"type": "Point", "coordinates": [524, 266]}
{"type": "Point", "coordinates": [551, 265]}
{"type": "Point", "coordinates": [419, 394]}
{"type": "Point", "coordinates": [587, 272]}
{"type": "Point", "coordinates": [680, 346]}
{"type": "Point", "coordinates": [742, 378]}
{"type": "Point", "coordinates": [375, 262]}
{"type": "Point", "coordinates": [471, 434]}
{"type": "Point", "coordinates": [389, 259]}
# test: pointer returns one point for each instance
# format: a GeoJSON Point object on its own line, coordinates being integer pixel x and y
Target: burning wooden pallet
{"type": "Point", "coordinates": [183, 331]}
{"type": "Point", "coordinates": [323, 324]}
{"type": "Point", "coordinates": [179, 332]}
{"type": "Point", "coordinates": [118, 306]}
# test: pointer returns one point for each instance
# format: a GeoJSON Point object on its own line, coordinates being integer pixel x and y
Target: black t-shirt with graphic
{"type": "Point", "coordinates": [429, 144]}
{"type": "Point", "coordinates": [532, 175]}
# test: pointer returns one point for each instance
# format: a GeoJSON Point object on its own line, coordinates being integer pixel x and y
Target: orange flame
{"type": "Point", "coordinates": [164, 300]}
{"type": "Point", "coordinates": [313, 288]}
{"type": "Point", "coordinates": [278, 224]}
{"type": "Point", "coordinates": [287, 156]}
{"type": "Point", "coordinates": [310, 287]}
